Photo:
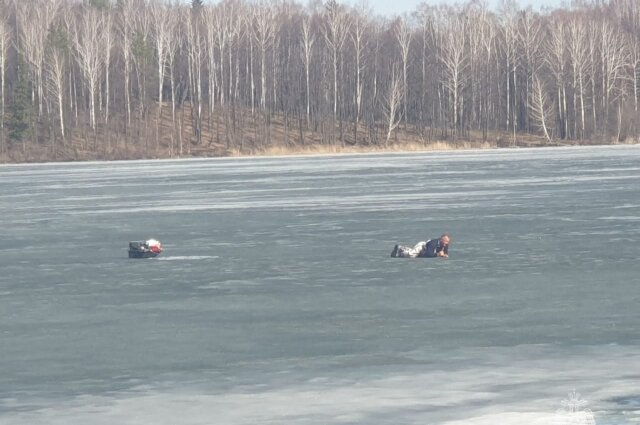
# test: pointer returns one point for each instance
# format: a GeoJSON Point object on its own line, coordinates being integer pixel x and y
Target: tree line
{"type": "Point", "coordinates": [156, 76]}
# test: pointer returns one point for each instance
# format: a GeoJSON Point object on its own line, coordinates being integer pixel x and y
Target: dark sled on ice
{"type": "Point", "coordinates": [145, 249]}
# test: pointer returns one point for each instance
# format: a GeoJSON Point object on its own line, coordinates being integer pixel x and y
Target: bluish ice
{"type": "Point", "coordinates": [276, 301]}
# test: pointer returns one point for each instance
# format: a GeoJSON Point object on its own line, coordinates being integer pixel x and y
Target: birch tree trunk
{"type": "Point", "coordinates": [308, 40]}
{"type": "Point", "coordinates": [510, 52]}
{"type": "Point", "coordinates": [264, 34]}
{"type": "Point", "coordinates": [174, 42]}
{"type": "Point", "coordinates": [126, 29]}
{"type": "Point", "coordinates": [359, 46]}
{"type": "Point", "coordinates": [615, 63]}
{"type": "Point", "coordinates": [162, 31]}
{"type": "Point", "coordinates": [540, 108]}
{"type": "Point", "coordinates": [454, 63]}
{"type": "Point", "coordinates": [403, 37]}
{"type": "Point", "coordinates": [579, 60]}
{"type": "Point", "coordinates": [34, 19]}
{"type": "Point", "coordinates": [88, 43]}
{"type": "Point", "coordinates": [555, 59]}
{"type": "Point", "coordinates": [5, 41]}
{"type": "Point", "coordinates": [336, 30]}
{"type": "Point", "coordinates": [56, 73]}
{"type": "Point", "coordinates": [530, 37]}
{"type": "Point", "coordinates": [107, 46]}
{"type": "Point", "coordinates": [194, 48]}
{"type": "Point", "coordinates": [392, 104]}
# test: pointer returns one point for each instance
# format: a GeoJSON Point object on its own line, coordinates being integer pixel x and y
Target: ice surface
{"type": "Point", "coordinates": [276, 301]}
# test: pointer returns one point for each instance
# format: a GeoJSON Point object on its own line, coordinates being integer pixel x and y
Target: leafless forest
{"type": "Point", "coordinates": [150, 78]}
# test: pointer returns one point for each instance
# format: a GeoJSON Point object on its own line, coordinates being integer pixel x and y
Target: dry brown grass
{"type": "Point", "coordinates": [317, 149]}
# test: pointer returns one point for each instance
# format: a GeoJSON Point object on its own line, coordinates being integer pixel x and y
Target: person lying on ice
{"type": "Point", "coordinates": [426, 249]}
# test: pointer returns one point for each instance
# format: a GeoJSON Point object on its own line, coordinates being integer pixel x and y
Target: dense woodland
{"type": "Point", "coordinates": [151, 78]}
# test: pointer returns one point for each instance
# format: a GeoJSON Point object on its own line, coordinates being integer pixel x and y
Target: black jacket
{"type": "Point", "coordinates": [432, 248]}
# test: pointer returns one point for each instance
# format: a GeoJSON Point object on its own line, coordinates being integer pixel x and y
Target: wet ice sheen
{"type": "Point", "coordinates": [275, 300]}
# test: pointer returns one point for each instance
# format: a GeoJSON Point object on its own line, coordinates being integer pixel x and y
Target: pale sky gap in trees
{"type": "Point", "coordinates": [392, 8]}
{"type": "Point", "coordinates": [398, 7]}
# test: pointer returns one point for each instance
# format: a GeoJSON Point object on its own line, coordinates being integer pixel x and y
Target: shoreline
{"type": "Point", "coordinates": [307, 151]}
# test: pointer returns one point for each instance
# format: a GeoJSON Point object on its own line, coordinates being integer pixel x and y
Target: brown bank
{"type": "Point", "coordinates": [279, 138]}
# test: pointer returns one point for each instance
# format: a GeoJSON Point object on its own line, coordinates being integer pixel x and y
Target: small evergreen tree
{"type": "Point", "coordinates": [58, 38]}
{"type": "Point", "coordinates": [100, 4]}
{"type": "Point", "coordinates": [19, 111]}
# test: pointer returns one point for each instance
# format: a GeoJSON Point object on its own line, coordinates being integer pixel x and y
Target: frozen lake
{"type": "Point", "coordinates": [276, 301]}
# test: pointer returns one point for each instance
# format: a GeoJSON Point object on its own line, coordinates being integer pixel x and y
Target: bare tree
{"type": "Point", "coordinates": [5, 41]}
{"type": "Point", "coordinates": [360, 44]}
{"type": "Point", "coordinates": [195, 54]}
{"type": "Point", "coordinates": [247, 23]}
{"type": "Point", "coordinates": [224, 30]}
{"type": "Point", "coordinates": [56, 68]}
{"type": "Point", "coordinates": [214, 39]}
{"type": "Point", "coordinates": [56, 79]}
{"type": "Point", "coordinates": [539, 108]}
{"type": "Point", "coordinates": [634, 51]}
{"type": "Point", "coordinates": [578, 51]}
{"type": "Point", "coordinates": [231, 23]}
{"type": "Point", "coordinates": [489, 36]}
{"type": "Point", "coordinates": [175, 41]}
{"type": "Point", "coordinates": [88, 43]}
{"type": "Point", "coordinates": [628, 13]}
{"type": "Point", "coordinates": [430, 45]}
{"type": "Point", "coordinates": [308, 40]}
{"type": "Point", "coordinates": [509, 29]}
{"type": "Point", "coordinates": [454, 63]}
{"type": "Point", "coordinates": [592, 41]}
{"type": "Point", "coordinates": [143, 65]}
{"type": "Point", "coordinates": [280, 12]}
{"type": "Point", "coordinates": [107, 40]}
{"type": "Point", "coordinates": [163, 22]}
{"type": "Point", "coordinates": [531, 35]}
{"type": "Point", "coordinates": [374, 99]}
{"type": "Point", "coordinates": [336, 30]}
{"type": "Point", "coordinates": [34, 21]}
{"type": "Point", "coordinates": [476, 16]}
{"type": "Point", "coordinates": [403, 33]}
{"type": "Point", "coordinates": [615, 61]}
{"type": "Point", "coordinates": [126, 30]}
{"type": "Point", "coordinates": [556, 62]}
{"type": "Point", "coordinates": [264, 34]}
{"type": "Point", "coordinates": [392, 104]}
